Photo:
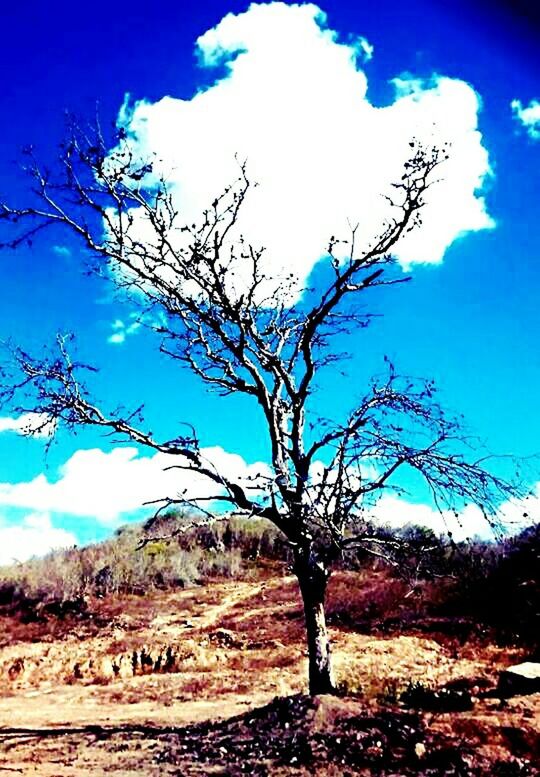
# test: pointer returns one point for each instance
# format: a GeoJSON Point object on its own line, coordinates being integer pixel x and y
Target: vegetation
{"type": "Point", "coordinates": [463, 591]}
{"type": "Point", "coordinates": [133, 562]}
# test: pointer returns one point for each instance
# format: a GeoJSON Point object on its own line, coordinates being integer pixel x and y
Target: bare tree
{"type": "Point", "coordinates": [242, 331]}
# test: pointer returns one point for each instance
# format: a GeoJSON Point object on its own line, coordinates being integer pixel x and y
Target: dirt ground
{"type": "Point", "coordinates": [212, 680]}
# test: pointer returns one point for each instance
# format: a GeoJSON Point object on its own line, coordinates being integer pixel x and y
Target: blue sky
{"type": "Point", "coordinates": [470, 319]}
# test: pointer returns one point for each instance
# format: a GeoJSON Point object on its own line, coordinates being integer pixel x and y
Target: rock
{"type": "Point", "coordinates": [520, 679]}
{"type": "Point", "coordinates": [226, 638]}
{"type": "Point", "coordinates": [16, 669]}
{"type": "Point", "coordinates": [124, 622]}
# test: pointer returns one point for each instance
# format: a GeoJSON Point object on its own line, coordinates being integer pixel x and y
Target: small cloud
{"type": "Point", "coordinates": [117, 338]}
{"type": "Point", "coordinates": [29, 425]}
{"type": "Point", "coordinates": [528, 116]}
{"type": "Point", "coordinates": [134, 327]}
{"type": "Point", "coordinates": [121, 330]}
{"type": "Point", "coordinates": [365, 48]}
{"type": "Point", "coordinates": [469, 522]}
{"type": "Point", "coordinates": [63, 251]}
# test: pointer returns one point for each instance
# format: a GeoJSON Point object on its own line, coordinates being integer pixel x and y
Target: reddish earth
{"type": "Point", "coordinates": [210, 680]}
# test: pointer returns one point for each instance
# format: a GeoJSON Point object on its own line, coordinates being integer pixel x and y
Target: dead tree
{"type": "Point", "coordinates": [242, 331]}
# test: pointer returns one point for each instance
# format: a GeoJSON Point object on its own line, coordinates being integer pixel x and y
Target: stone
{"type": "Point", "coordinates": [227, 639]}
{"type": "Point", "coordinates": [520, 679]}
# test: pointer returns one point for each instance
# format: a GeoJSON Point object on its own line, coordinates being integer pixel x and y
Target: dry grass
{"type": "Point", "coordinates": [492, 594]}
{"type": "Point", "coordinates": [137, 561]}
{"type": "Point", "coordinates": [237, 645]}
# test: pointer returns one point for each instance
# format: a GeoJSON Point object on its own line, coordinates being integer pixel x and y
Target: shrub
{"type": "Point", "coordinates": [146, 557]}
{"type": "Point", "coordinates": [500, 586]}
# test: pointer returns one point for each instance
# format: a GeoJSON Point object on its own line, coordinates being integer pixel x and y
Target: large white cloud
{"type": "Point", "coordinates": [107, 485]}
{"type": "Point", "coordinates": [528, 116]}
{"type": "Point", "coordinates": [34, 536]}
{"type": "Point", "coordinates": [294, 103]}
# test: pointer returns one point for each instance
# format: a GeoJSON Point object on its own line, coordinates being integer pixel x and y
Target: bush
{"type": "Point", "coordinates": [500, 586]}
{"type": "Point", "coordinates": [141, 558]}
{"type": "Point", "coordinates": [455, 589]}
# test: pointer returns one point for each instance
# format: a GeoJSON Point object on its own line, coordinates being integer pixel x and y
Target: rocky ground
{"type": "Point", "coordinates": [211, 680]}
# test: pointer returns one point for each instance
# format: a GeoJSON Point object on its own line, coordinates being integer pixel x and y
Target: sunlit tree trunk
{"type": "Point", "coordinates": [313, 577]}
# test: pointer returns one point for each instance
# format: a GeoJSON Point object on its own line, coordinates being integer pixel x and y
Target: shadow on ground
{"type": "Point", "coordinates": [291, 735]}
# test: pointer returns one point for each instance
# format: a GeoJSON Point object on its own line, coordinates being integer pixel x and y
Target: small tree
{"type": "Point", "coordinates": [242, 331]}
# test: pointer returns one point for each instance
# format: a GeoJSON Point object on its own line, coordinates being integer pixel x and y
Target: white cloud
{"type": "Point", "coordinates": [395, 512]}
{"type": "Point", "coordinates": [528, 116]}
{"type": "Point", "coordinates": [62, 251]}
{"type": "Point", "coordinates": [107, 485]}
{"type": "Point", "coordinates": [293, 102]}
{"type": "Point", "coordinates": [366, 48]}
{"type": "Point", "coordinates": [29, 425]}
{"type": "Point", "coordinates": [35, 536]}
{"type": "Point", "coordinates": [121, 330]}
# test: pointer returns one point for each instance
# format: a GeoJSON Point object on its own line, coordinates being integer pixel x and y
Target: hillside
{"type": "Point", "coordinates": [209, 679]}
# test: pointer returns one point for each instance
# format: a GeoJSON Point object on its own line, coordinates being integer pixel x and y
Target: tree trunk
{"type": "Point", "coordinates": [313, 577]}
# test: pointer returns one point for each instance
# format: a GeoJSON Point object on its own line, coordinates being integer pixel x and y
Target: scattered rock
{"type": "Point", "coordinates": [226, 638]}
{"type": "Point", "coordinates": [16, 669]}
{"type": "Point", "coordinates": [124, 622]}
{"type": "Point", "coordinates": [520, 679]}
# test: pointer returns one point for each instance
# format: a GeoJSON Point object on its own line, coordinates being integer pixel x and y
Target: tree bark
{"type": "Point", "coordinates": [313, 577]}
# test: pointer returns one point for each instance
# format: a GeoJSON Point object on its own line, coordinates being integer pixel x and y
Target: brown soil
{"type": "Point", "coordinates": [189, 683]}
